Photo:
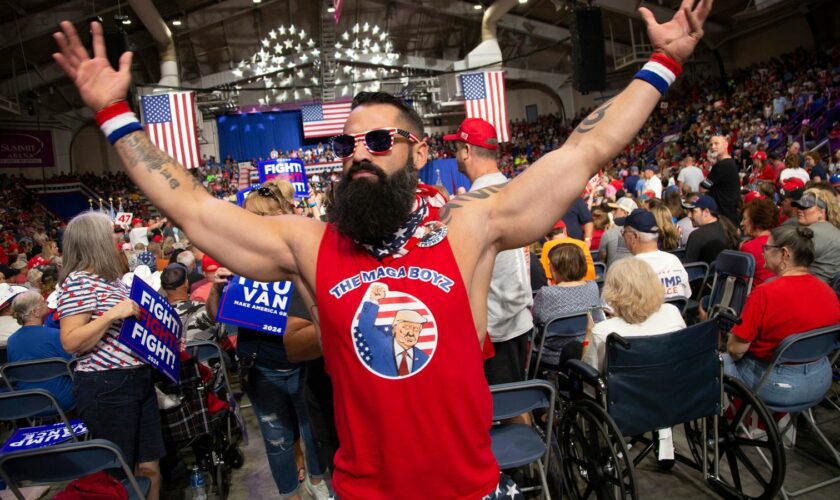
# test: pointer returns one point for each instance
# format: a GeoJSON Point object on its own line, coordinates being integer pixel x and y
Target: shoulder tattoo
{"type": "Point", "coordinates": [462, 199]}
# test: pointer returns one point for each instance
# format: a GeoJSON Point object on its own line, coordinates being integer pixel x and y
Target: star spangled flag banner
{"type": "Point", "coordinates": [485, 97]}
{"type": "Point", "coordinates": [324, 120]}
{"type": "Point", "coordinates": [170, 121]}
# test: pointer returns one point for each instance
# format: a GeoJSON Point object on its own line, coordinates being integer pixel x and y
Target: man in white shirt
{"type": "Point", "coordinates": [652, 181]}
{"type": "Point", "coordinates": [641, 235]}
{"type": "Point", "coordinates": [509, 317]}
{"type": "Point", "coordinates": [690, 176]}
{"type": "Point", "coordinates": [798, 172]}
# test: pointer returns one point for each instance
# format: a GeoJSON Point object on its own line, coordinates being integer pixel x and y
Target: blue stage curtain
{"type": "Point", "coordinates": [252, 135]}
{"type": "Point", "coordinates": [449, 175]}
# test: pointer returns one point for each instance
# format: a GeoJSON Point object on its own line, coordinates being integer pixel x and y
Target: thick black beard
{"type": "Point", "coordinates": [367, 209]}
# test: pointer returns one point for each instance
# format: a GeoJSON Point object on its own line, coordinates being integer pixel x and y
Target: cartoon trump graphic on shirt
{"type": "Point", "coordinates": [389, 341]}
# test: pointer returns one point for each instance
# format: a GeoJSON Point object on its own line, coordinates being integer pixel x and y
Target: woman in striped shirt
{"type": "Point", "coordinates": [114, 389]}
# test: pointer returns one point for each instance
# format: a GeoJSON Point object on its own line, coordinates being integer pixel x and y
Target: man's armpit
{"type": "Point", "coordinates": [462, 200]}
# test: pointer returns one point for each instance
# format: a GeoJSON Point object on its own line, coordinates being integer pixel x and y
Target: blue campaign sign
{"type": "Point", "coordinates": [256, 305]}
{"type": "Point", "coordinates": [288, 169]}
{"type": "Point", "coordinates": [243, 193]}
{"type": "Point", "coordinates": [155, 336]}
{"type": "Point", "coordinates": [29, 438]}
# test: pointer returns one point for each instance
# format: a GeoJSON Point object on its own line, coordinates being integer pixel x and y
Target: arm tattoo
{"type": "Point", "coordinates": [590, 121]}
{"type": "Point", "coordinates": [460, 200]}
{"type": "Point", "coordinates": [141, 151]}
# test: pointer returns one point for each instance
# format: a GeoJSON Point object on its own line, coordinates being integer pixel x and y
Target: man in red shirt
{"type": "Point", "coordinates": [435, 257]}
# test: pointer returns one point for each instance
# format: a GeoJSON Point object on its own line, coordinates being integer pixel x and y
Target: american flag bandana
{"type": "Point", "coordinates": [402, 241]}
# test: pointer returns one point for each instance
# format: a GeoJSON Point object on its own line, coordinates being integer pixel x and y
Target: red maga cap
{"type": "Point", "coordinates": [477, 132]}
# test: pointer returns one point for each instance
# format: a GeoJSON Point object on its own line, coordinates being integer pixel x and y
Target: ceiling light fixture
{"type": "Point", "coordinates": [330, 9]}
{"type": "Point", "coordinates": [478, 7]}
{"type": "Point", "coordinates": [176, 22]}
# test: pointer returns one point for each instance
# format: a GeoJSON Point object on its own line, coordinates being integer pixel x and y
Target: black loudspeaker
{"type": "Point", "coordinates": [588, 50]}
{"type": "Point", "coordinates": [115, 45]}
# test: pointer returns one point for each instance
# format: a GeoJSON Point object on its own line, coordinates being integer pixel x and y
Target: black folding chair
{"type": "Point", "coordinates": [35, 371]}
{"type": "Point", "coordinates": [569, 327]}
{"type": "Point", "coordinates": [517, 445]}
{"type": "Point", "coordinates": [600, 271]}
{"type": "Point", "coordinates": [733, 279]}
{"type": "Point", "coordinates": [805, 347]}
{"type": "Point", "coordinates": [29, 404]}
{"type": "Point", "coordinates": [65, 462]}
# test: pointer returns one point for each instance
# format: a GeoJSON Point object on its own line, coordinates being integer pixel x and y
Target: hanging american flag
{"type": "Point", "coordinates": [337, 5]}
{"type": "Point", "coordinates": [324, 120]}
{"type": "Point", "coordinates": [169, 120]}
{"type": "Point", "coordinates": [485, 97]}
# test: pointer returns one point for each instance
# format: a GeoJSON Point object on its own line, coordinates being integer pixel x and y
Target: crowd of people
{"type": "Point", "coordinates": [715, 168]}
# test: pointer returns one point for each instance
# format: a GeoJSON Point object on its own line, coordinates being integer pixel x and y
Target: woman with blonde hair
{"type": "Point", "coordinates": [669, 236]}
{"type": "Point", "coordinates": [114, 388]}
{"type": "Point", "coordinates": [818, 209]}
{"type": "Point", "coordinates": [636, 296]}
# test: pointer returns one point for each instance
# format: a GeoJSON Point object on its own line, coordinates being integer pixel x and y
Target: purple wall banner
{"type": "Point", "coordinates": [26, 148]}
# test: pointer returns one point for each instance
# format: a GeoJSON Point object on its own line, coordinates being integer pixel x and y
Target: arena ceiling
{"type": "Point", "coordinates": [213, 36]}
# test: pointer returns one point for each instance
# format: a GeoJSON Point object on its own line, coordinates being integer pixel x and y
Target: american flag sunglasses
{"type": "Point", "coordinates": [377, 141]}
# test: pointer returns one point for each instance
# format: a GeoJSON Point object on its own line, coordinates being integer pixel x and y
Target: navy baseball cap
{"type": "Point", "coordinates": [650, 167]}
{"type": "Point", "coordinates": [641, 220]}
{"type": "Point", "coordinates": [703, 202]}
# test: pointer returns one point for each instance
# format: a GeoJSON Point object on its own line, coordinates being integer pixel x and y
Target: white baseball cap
{"type": "Point", "coordinates": [626, 204]}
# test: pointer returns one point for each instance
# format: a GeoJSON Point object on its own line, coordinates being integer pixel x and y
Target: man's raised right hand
{"type": "Point", "coordinates": [98, 83]}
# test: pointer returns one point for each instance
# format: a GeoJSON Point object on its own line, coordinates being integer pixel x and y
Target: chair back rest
{"type": "Point", "coordinates": [62, 462]}
{"type": "Point", "coordinates": [572, 325]}
{"type": "Point", "coordinates": [808, 346]}
{"type": "Point", "coordinates": [24, 404]}
{"type": "Point", "coordinates": [515, 398]}
{"type": "Point", "coordinates": [38, 370]}
{"type": "Point", "coordinates": [204, 350]}
{"type": "Point", "coordinates": [600, 271]}
{"type": "Point", "coordinates": [734, 273]}
{"type": "Point", "coordinates": [678, 252]}
{"type": "Point", "coordinates": [658, 381]}
{"type": "Point", "coordinates": [696, 271]}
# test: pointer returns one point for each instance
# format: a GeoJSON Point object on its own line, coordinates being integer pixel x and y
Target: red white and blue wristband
{"type": "Point", "coordinates": [660, 71]}
{"type": "Point", "coordinates": [117, 120]}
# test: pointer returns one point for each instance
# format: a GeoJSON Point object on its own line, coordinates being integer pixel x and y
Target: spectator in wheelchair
{"type": "Point", "coordinates": [570, 295]}
{"type": "Point", "coordinates": [818, 209]}
{"type": "Point", "coordinates": [114, 389]}
{"type": "Point", "coordinates": [34, 341]}
{"type": "Point", "coordinates": [635, 295]}
{"type": "Point", "coordinates": [778, 309]}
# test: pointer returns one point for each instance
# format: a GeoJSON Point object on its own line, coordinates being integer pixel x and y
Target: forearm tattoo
{"type": "Point", "coordinates": [462, 199]}
{"type": "Point", "coordinates": [140, 151]}
{"type": "Point", "coordinates": [596, 116]}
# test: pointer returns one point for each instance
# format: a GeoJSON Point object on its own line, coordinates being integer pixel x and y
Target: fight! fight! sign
{"type": "Point", "coordinates": [155, 336]}
{"type": "Point", "coordinates": [288, 169]}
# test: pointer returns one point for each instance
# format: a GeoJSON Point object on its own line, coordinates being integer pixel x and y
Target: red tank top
{"type": "Point", "coordinates": [412, 406]}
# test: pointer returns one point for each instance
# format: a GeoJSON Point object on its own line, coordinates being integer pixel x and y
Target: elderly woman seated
{"type": "Point", "coordinates": [777, 309]}
{"type": "Point", "coordinates": [635, 295]}
{"type": "Point", "coordinates": [34, 341]}
{"type": "Point", "coordinates": [570, 295]}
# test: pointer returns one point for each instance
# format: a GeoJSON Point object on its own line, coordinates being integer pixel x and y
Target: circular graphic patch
{"type": "Point", "coordinates": [394, 333]}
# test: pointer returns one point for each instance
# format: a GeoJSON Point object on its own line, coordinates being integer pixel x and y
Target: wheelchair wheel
{"type": "Point", "coordinates": [595, 457]}
{"type": "Point", "coordinates": [751, 456]}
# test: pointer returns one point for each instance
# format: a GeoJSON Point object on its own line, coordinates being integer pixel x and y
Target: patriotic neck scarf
{"type": "Point", "coordinates": [404, 239]}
